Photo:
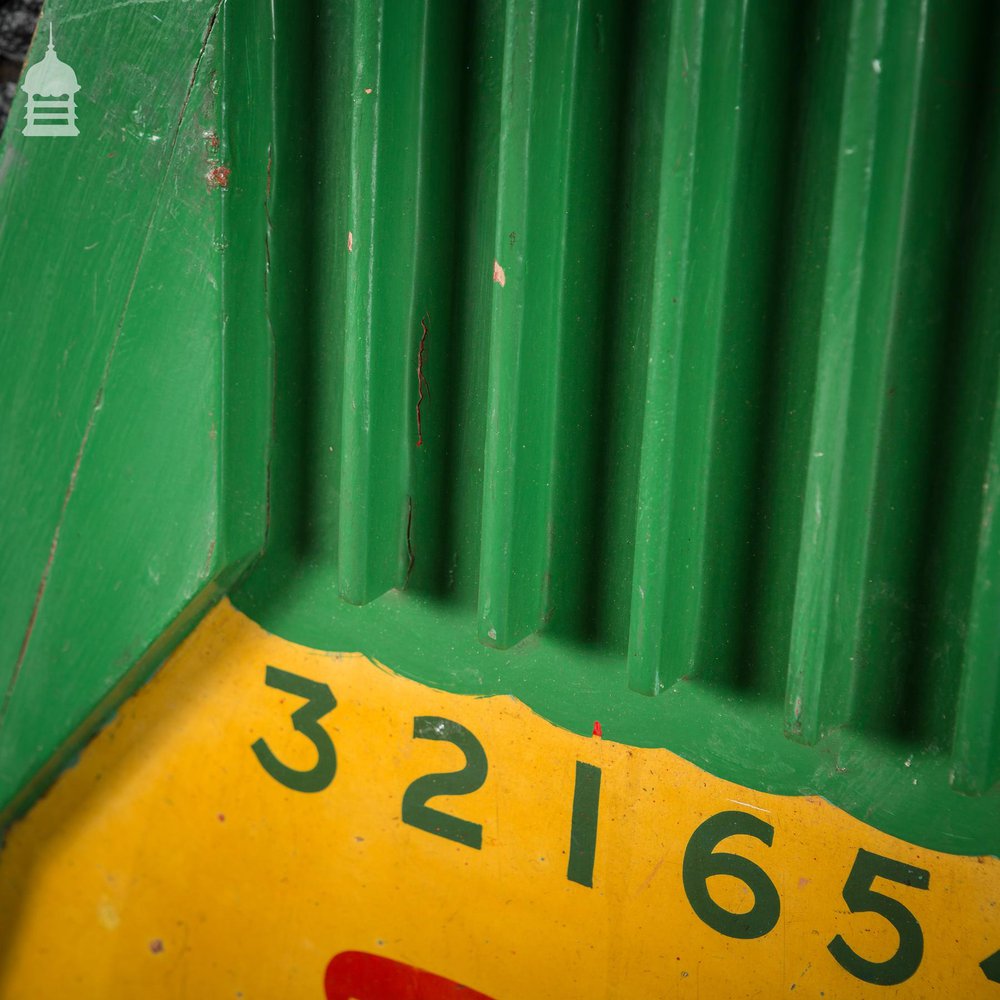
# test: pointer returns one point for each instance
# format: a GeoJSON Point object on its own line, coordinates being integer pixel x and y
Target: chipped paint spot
{"type": "Point", "coordinates": [368, 90]}
{"type": "Point", "coordinates": [218, 177]}
{"type": "Point", "coordinates": [350, 242]}
{"type": "Point", "coordinates": [107, 915]}
{"type": "Point", "coordinates": [498, 274]}
{"type": "Point", "coordinates": [156, 946]}
{"type": "Point", "coordinates": [749, 805]}
{"type": "Point", "coordinates": [206, 568]}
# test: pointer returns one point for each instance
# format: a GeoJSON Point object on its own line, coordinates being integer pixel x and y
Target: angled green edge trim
{"type": "Point", "coordinates": [131, 326]}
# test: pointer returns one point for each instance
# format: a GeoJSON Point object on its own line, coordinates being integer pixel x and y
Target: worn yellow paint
{"type": "Point", "coordinates": [167, 863]}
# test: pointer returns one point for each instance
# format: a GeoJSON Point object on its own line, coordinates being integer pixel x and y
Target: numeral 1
{"type": "Point", "coordinates": [583, 831]}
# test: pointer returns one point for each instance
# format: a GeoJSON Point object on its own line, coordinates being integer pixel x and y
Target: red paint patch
{"type": "Point", "coordinates": [212, 139]}
{"type": "Point", "coordinates": [358, 975]}
{"type": "Point", "coordinates": [368, 90]}
{"type": "Point", "coordinates": [219, 177]}
{"type": "Point", "coordinates": [597, 729]}
{"type": "Point", "coordinates": [498, 274]}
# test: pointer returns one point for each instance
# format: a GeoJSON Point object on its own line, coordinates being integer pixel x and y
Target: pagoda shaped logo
{"type": "Point", "coordinates": [51, 87]}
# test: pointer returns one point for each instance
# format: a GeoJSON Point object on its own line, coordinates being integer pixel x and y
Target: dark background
{"type": "Point", "coordinates": [17, 26]}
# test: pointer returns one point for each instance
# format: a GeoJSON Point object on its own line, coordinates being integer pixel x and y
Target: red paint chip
{"type": "Point", "coordinates": [597, 729]}
{"type": "Point", "coordinates": [219, 177]}
{"type": "Point", "coordinates": [498, 275]}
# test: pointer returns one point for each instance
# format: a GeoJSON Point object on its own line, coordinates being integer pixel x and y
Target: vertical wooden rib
{"type": "Point", "coordinates": [976, 750]}
{"type": "Point", "coordinates": [386, 290]}
{"type": "Point", "coordinates": [541, 66]}
{"type": "Point", "coordinates": [976, 745]}
{"type": "Point", "coordinates": [367, 548]}
{"type": "Point", "coordinates": [859, 323]}
{"type": "Point", "coordinates": [657, 564]}
{"type": "Point", "coordinates": [510, 574]}
{"type": "Point", "coordinates": [716, 202]}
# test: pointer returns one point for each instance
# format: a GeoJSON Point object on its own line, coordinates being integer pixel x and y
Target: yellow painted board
{"type": "Point", "coordinates": [170, 863]}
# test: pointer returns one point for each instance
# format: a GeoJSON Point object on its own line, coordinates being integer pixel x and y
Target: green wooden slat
{"type": "Point", "coordinates": [716, 223]}
{"type": "Point", "coordinates": [884, 76]}
{"type": "Point", "coordinates": [976, 751]}
{"type": "Point", "coordinates": [976, 744]}
{"type": "Point", "coordinates": [541, 321]}
{"type": "Point", "coordinates": [514, 553]}
{"type": "Point", "coordinates": [397, 250]}
{"type": "Point", "coordinates": [373, 466]}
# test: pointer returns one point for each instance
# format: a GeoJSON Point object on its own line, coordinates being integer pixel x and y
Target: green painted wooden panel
{"type": "Point", "coordinates": [698, 303]}
{"type": "Point", "coordinates": [639, 361]}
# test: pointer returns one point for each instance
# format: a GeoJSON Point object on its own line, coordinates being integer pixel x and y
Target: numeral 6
{"type": "Point", "coordinates": [701, 862]}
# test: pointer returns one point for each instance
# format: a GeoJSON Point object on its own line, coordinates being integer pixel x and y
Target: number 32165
{"type": "Point", "coordinates": [701, 859]}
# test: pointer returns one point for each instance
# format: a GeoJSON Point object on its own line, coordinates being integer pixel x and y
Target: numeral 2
{"type": "Point", "coordinates": [470, 778]}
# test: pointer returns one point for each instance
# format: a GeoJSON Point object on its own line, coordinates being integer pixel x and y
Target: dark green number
{"type": "Point", "coordinates": [583, 829]}
{"type": "Point", "coordinates": [701, 862]}
{"type": "Point", "coordinates": [319, 701]}
{"type": "Point", "coordinates": [861, 898]}
{"type": "Point", "coordinates": [991, 967]}
{"type": "Point", "coordinates": [470, 778]}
